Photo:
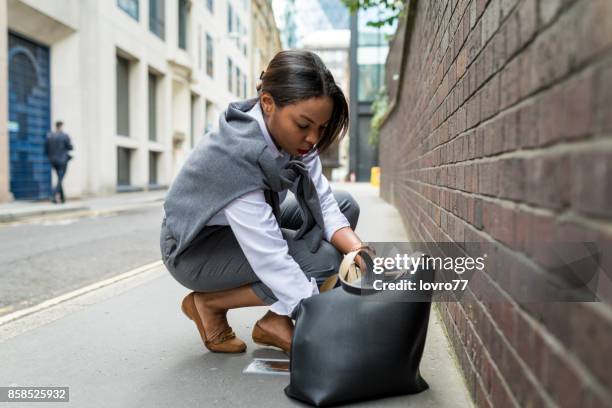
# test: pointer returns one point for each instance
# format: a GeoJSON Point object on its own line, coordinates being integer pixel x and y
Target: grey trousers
{"type": "Point", "coordinates": [214, 261]}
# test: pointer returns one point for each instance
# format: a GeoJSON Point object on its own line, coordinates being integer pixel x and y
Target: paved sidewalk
{"type": "Point", "coordinates": [27, 210]}
{"type": "Point", "coordinates": [127, 344]}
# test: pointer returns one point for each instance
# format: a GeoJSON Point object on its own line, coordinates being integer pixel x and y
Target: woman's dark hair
{"type": "Point", "coordinates": [296, 75]}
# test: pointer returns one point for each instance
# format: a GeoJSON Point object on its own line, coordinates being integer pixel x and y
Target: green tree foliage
{"type": "Point", "coordinates": [379, 109]}
{"type": "Point", "coordinates": [394, 9]}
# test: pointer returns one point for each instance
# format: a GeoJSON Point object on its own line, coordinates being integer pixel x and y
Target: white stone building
{"type": "Point", "coordinates": [136, 83]}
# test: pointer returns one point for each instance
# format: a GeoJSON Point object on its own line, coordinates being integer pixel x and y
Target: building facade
{"type": "Point", "coordinates": [265, 38]}
{"type": "Point", "coordinates": [332, 46]}
{"type": "Point", "coordinates": [287, 22]}
{"type": "Point", "coordinates": [369, 50]}
{"type": "Point", "coordinates": [322, 26]}
{"type": "Point", "coordinates": [136, 83]}
{"type": "Point", "coordinates": [5, 194]}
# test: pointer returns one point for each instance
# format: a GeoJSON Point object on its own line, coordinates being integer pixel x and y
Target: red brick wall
{"type": "Point", "coordinates": [502, 133]}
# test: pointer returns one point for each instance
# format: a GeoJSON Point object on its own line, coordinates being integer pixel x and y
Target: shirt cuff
{"type": "Point", "coordinates": [331, 228]}
{"type": "Point", "coordinates": [286, 309]}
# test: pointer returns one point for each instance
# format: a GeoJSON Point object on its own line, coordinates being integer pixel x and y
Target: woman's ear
{"type": "Point", "coordinates": [267, 103]}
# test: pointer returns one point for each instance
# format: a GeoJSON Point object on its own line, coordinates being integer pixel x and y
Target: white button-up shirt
{"type": "Point", "coordinates": [258, 233]}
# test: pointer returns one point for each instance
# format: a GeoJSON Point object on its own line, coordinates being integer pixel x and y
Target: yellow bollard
{"type": "Point", "coordinates": [375, 176]}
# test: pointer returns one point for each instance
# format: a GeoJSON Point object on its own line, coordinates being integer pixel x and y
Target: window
{"type": "Point", "coordinates": [194, 103]}
{"type": "Point", "coordinates": [210, 6]}
{"type": "Point", "coordinates": [123, 96]}
{"type": "Point", "coordinates": [182, 24]}
{"type": "Point", "coordinates": [208, 117]}
{"type": "Point", "coordinates": [209, 56]}
{"type": "Point", "coordinates": [244, 44]}
{"type": "Point", "coordinates": [157, 17]}
{"type": "Point", "coordinates": [370, 79]}
{"type": "Point", "coordinates": [200, 47]}
{"type": "Point", "coordinates": [230, 75]}
{"type": "Point", "coordinates": [244, 86]}
{"type": "Point", "coordinates": [238, 30]}
{"type": "Point", "coordinates": [130, 7]}
{"type": "Point", "coordinates": [238, 79]}
{"type": "Point", "coordinates": [372, 50]}
{"type": "Point", "coordinates": [153, 162]}
{"type": "Point", "coordinates": [230, 18]}
{"type": "Point", "coordinates": [123, 166]}
{"type": "Point", "coordinates": [152, 107]}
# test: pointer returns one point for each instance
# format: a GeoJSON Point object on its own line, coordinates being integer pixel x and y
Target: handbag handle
{"type": "Point", "coordinates": [348, 272]}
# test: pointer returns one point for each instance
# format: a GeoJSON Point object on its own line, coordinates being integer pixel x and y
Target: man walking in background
{"type": "Point", "coordinates": [57, 146]}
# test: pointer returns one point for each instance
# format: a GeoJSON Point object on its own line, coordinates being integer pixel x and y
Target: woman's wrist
{"type": "Point", "coordinates": [357, 247]}
{"type": "Point", "coordinates": [361, 246]}
{"type": "Point", "coordinates": [345, 239]}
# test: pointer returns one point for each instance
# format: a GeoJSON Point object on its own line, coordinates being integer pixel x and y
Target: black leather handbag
{"type": "Point", "coordinates": [349, 346]}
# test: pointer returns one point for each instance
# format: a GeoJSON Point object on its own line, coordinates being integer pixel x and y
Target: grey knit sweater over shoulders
{"type": "Point", "coordinates": [226, 164]}
{"type": "Point", "coordinates": [230, 155]}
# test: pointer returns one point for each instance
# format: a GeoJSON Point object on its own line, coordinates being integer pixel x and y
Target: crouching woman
{"type": "Point", "coordinates": [230, 233]}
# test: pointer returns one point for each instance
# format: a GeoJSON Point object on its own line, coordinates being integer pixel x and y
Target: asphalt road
{"type": "Point", "coordinates": [44, 260]}
{"type": "Point", "coordinates": [128, 344]}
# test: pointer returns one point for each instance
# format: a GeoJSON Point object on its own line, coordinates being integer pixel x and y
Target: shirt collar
{"type": "Point", "coordinates": [256, 113]}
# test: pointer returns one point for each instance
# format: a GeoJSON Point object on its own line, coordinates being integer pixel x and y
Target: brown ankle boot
{"type": "Point", "coordinates": [226, 342]}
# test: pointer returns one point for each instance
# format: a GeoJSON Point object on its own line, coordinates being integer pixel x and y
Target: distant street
{"type": "Point", "coordinates": [43, 260]}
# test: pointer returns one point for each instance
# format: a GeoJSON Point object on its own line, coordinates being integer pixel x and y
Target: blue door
{"type": "Point", "coordinates": [29, 118]}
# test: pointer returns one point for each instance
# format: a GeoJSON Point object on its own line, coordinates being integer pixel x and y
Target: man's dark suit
{"type": "Point", "coordinates": [57, 146]}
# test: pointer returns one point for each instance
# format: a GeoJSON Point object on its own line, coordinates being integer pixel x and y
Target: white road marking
{"type": "Point", "coordinates": [79, 292]}
{"type": "Point", "coordinates": [77, 214]}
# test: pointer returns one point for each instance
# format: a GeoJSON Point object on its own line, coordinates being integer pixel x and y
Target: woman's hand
{"type": "Point", "coordinates": [345, 240]}
{"type": "Point", "coordinates": [360, 264]}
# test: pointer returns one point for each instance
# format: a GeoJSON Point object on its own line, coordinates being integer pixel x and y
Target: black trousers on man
{"type": "Point", "coordinates": [60, 170]}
